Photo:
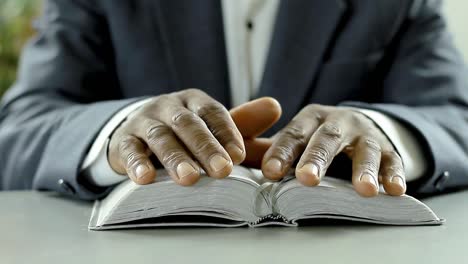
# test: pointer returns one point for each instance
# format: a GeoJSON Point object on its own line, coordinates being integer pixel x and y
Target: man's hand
{"type": "Point", "coordinates": [187, 131]}
{"type": "Point", "coordinates": [252, 119]}
{"type": "Point", "coordinates": [318, 133]}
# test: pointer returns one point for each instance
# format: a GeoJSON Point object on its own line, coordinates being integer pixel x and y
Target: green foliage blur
{"type": "Point", "coordinates": [16, 18]}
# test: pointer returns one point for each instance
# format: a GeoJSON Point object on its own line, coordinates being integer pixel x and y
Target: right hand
{"type": "Point", "coordinates": [186, 130]}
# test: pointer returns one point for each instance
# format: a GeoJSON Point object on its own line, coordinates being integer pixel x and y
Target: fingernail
{"type": "Point", "coordinates": [308, 174]}
{"type": "Point", "coordinates": [184, 169]}
{"type": "Point", "coordinates": [274, 166]}
{"type": "Point", "coordinates": [310, 169]}
{"type": "Point", "coordinates": [369, 179]}
{"type": "Point", "coordinates": [234, 150]}
{"type": "Point", "coordinates": [141, 171]}
{"type": "Point", "coordinates": [398, 180]}
{"type": "Point", "coordinates": [218, 163]}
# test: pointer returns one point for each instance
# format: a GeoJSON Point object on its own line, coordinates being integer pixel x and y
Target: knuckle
{"type": "Point", "coordinates": [129, 153]}
{"type": "Point", "coordinates": [319, 154]}
{"type": "Point", "coordinates": [126, 144]}
{"type": "Point", "coordinates": [211, 109]}
{"type": "Point", "coordinates": [369, 166]}
{"type": "Point", "coordinates": [313, 112]}
{"type": "Point", "coordinates": [154, 131]}
{"type": "Point", "coordinates": [368, 171]}
{"type": "Point", "coordinates": [133, 158]}
{"type": "Point", "coordinates": [193, 92]}
{"type": "Point", "coordinates": [158, 100]}
{"type": "Point", "coordinates": [312, 107]}
{"type": "Point", "coordinates": [295, 132]}
{"type": "Point", "coordinates": [223, 133]}
{"type": "Point", "coordinates": [172, 158]}
{"type": "Point", "coordinates": [371, 144]}
{"type": "Point", "coordinates": [285, 153]}
{"type": "Point", "coordinates": [183, 118]}
{"type": "Point", "coordinates": [204, 147]}
{"type": "Point", "coordinates": [331, 130]}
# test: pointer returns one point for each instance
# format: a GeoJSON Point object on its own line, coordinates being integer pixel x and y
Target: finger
{"type": "Point", "coordinates": [135, 159]}
{"type": "Point", "coordinates": [392, 173]}
{"type": "Point", "coordinates": [327, 142]}
{"type": "Point", "coordinates": [257, 116]}
{"type": "Point", "coordinates": [221, 125]}
{"type": "Point", "coordinates": [366, 162]}
{"type": "Point", "coordinates": [255, 150]}
{"type": "Point", "coordinates": [199, 140]}
{"type": "Point", "coordinates": [170, 152]}
{"type": "Point", "coordinates": [289, 144]}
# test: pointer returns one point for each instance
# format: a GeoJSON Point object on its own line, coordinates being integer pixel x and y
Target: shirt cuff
{"type": "Point", "coordinates": [405, 143]}
{"type": "Point", "coordinates": [96, 168]}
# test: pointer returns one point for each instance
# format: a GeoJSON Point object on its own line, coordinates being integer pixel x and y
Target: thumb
{"type": "Point", "coordinates": [255, 150]}
{"type": "Point", "coordinates": [257, 116]}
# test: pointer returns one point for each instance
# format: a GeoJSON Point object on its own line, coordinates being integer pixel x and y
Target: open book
{"type": "Point", "coordinates": [246, 198]}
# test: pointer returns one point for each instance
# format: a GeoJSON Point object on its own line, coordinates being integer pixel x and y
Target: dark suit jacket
{"type": "Point", "coordinates": [94, 57]}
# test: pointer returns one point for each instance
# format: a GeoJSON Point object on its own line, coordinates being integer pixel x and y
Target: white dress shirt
{"type": "Point", "coordinates": [248, 27]}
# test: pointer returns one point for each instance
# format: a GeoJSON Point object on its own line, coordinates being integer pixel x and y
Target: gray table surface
{"type": "Point", "coordinates": [47, 228]}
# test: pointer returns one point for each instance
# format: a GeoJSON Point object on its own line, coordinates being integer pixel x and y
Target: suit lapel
{"type": "Point", "coordinates": [194, 38]}
{"type": "Point", "coordinates": [303, 32]}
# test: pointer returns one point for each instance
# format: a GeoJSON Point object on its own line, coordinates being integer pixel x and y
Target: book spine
{"type": "Point", "coordinates": [271, 219]}
{"type": "Point", "coordinates": [265, 192]}
{"type": "Point", "coordinates": [268, 191]}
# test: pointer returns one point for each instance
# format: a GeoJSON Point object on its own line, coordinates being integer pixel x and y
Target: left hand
{"type": "Point", "coordinates": [318, 133]}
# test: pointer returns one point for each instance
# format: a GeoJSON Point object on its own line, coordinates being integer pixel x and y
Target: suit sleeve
{"type": "Point", "coordinates": [426, 89]}
{"type": "Point", "coordinates": [65, 92]}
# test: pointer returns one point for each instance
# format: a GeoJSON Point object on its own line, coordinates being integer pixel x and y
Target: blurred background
{"type": "Point", "coordinates": [15, 29]}
{"type": "Point", "coordinates": [16, 17]}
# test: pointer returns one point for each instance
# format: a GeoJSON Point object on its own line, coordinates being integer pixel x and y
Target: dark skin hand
{"type": "Point", "coordinates": [318, 133]}
{"type": "Point", "coordinates": [185, 130]}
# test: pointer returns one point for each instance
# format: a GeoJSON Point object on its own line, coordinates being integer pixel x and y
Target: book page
{"type": "Point", "coordinates": [336, 198]}
{"type": "Point", "coordinates": [235, 200]}
{"type": "Point", "coordinates": [245, 174]}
